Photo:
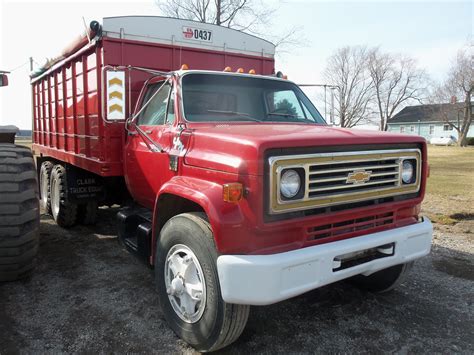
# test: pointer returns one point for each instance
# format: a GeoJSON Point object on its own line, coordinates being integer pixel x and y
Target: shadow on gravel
{"type": "Point", "coordinates": [89, 295]}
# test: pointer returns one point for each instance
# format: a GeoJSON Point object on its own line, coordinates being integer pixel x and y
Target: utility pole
{"type": "Point", "coordinates": [332, 87]}
{"type": "Point", "coordinates": [31, 64]}
{"type": "Point", "coordinates": [325, 103]}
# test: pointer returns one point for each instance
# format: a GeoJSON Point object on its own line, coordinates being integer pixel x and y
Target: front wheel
{"type": "Point", "coordinates": [384, 280]}
{"type": "Point", "coordinates": [188, 285]}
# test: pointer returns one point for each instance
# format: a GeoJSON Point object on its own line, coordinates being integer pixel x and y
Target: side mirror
{"type": "Point", "coordinates": [3, 80]}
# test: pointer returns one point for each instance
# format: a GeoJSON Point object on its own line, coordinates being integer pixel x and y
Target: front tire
{"type": "Point", "coordinates": [188, 285]}
{"type": "Point", "coordinates": [384, 280]}
{"type": "Point", "coordinates": [63, 211]}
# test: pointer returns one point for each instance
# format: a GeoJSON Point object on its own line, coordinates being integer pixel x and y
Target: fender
{"type": "Point", "coordinates": [209, 195]}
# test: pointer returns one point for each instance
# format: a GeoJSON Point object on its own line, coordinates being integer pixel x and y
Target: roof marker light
{"type": "Point", "coordinates": [227, 69]}
{"type": "Point", "coordinates": [285, 77]}
{"type": "Point", "coordinates": [252, 71]}
{"type": "Point", "coordinates": [184, 67]}
{"type": "Point", "coordinates": [240, 70]}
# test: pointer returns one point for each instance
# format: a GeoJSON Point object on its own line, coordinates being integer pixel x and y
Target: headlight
{"type": "Point", "coordinates": [290, 183]}
{"type": "Point", "coordinates": [408, 171]}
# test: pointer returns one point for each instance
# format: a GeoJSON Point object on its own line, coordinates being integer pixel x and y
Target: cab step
{"type": "Point", "coordinates": [135, 231]}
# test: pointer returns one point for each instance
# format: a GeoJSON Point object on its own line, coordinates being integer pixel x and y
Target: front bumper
{"type": "Point", "coordinates": [266, 279]}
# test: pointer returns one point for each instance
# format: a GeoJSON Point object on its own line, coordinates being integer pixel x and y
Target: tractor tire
{"type": "Point", "coordinates": [87, 213]}
{"type": "Point", "coordinates": [44, 186]}
{"type": "Point", "coordinates": [208, 323]}
{"type": "Point", "coordinates": [64, 212]}
{"type": "Point", "coordinates": [19, 212]}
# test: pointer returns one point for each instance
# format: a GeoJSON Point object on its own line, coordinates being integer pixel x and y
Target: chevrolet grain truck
{"type": "Point", "coordinates": [233, 188]}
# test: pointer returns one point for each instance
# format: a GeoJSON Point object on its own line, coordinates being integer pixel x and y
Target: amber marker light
{"type": "Point", "coordinates": [240, 70]}
{"type": "Point", "coordinates": [285, 77]}
{"type": "Point", "coordinates": [227, 69]}
{"type": "Point", "coordinates": [252, 71]}
{"type": "Point", "coordinates": [233, 192]}
{"type": "Point", "coordinates": [184, 67]}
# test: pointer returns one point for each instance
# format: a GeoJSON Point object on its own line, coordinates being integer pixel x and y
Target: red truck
{"type": "Point", "coordinates": [232, 186]}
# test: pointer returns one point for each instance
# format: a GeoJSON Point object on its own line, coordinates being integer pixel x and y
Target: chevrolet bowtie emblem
{"type": "Point", "coordinates": [358, 177]}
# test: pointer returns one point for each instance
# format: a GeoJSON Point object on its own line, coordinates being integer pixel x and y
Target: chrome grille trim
{"type": "Point", "coordinates": [330, 177]}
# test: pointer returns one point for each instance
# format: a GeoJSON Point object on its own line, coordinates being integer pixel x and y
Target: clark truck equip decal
{"type": "Point", "coordinates": [197, 34]}
{"type": "Point", "coordinates": [115, 95]}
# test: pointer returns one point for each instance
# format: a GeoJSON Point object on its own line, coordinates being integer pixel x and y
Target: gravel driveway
{"type": "Point", "coordinates": [89, 295]}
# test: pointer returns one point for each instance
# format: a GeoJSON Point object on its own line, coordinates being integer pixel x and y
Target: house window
{"type": "Point", "coordinates": [402, 129]}
{"type": "Point", "coordinates": [447, 127]}
{"type": "Point", "coordinates": [412, 128]}
{"type": "Point", "coordinates": [431, 130]}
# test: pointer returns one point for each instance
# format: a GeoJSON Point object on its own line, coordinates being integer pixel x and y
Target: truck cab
{"type": "Point", "coordinates": [239, 193]}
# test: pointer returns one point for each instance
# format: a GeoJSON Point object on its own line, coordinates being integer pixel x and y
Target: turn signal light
{"type": "Point", "coordinates": [184, 67]}
{"type": "Point", "coordinates": [233, 192]}
{"type": "Point", "coordinates": [240, 70]}
{"type": "Point", "coordinates": [252, 71]}
{"type": "Point", "coordinates": [227, 69]}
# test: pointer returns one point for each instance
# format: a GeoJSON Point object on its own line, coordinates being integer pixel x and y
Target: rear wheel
{"type": "Point", "coordinates": [19, 212]}
{"type": "Point", "coordinates": [384, 280]}
{"type": "Point", "coordinates": [44, 185]}
{"type": "Point", "coordinates": [188, 285]}
{"type": "Point", "coordinates": [64, 211]}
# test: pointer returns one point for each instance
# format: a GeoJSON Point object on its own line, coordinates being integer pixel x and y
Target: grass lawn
{"type": "Point", "coordinates": [450, 191]}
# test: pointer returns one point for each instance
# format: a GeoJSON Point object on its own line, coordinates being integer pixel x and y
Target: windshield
{"type": "Point", "coordinates": [214, 97]}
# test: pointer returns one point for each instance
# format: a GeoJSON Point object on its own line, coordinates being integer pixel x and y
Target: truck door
{"type": "Point", "coordinates": [147, 170]}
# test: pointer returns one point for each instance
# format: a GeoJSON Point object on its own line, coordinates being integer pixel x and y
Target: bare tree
{"type": "Point", "coordinates": [252, 16]}
{"type": "Point", "coordinates": [459, 84]}
{"type": "Point", "coordinates": [396, 81]}
{"type": "Point", "coordinates": [239, 14]}
{"type": "Point", "coordinates": [347, 69]}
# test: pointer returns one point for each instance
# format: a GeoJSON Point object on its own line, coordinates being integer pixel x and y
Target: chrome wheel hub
{"type": "Point", "coordinates": [54, 198]}
{"type": "Point", "coordinates": [44, 189]}
{"type": "Point", "coordinates": [185, 283]}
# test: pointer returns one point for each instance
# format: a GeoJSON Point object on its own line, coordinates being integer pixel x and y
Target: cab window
{"type": "Point", "coordinates": [154, 113]}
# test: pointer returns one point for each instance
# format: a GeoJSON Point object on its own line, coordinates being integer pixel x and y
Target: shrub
{"type": "Point", "coordinates": [470, 140]}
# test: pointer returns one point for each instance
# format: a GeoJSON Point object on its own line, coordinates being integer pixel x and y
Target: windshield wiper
{"type": "Point", "coordinates": [235, 113]}
{"type": "Point", "coordinates": [283, 114]}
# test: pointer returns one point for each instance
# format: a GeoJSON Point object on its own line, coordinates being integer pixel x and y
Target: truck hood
{"type": "Point", "coordinates": [238, 147]}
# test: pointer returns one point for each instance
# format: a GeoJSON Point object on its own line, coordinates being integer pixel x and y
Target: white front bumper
{"type": "Point", "coordinates": [266, 279]}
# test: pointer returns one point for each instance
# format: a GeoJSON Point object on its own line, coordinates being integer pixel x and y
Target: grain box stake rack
{"type": "Point", "coordinates": [233, 188]}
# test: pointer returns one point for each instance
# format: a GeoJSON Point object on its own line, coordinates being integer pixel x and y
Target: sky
{"type": "Point", "coordinates": [429, 31]}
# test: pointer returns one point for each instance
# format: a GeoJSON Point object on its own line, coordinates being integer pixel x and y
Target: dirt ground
{"type": "Point", "coordinates": [89, 295]}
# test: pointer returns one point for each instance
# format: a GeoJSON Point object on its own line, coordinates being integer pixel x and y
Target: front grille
{"type": "Point", "coordinates": [332, 179]}
{"type": "Point", "coordinates": [349, 227]}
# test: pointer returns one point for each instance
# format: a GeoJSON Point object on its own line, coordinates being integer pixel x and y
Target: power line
{"type": "Point", "coordinates": [18, 67]}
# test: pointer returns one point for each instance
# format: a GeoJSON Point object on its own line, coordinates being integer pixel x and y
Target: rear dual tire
{"type": "Point", "coordinates": [55, 199]}
{"type": "Point", "coordinates": [208, 323]}
{"type": "Point", "coordinates": [19, 212]}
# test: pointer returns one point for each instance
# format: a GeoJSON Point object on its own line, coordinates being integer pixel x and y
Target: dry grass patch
{"type": "Point", "coordinates": [450, 190]}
